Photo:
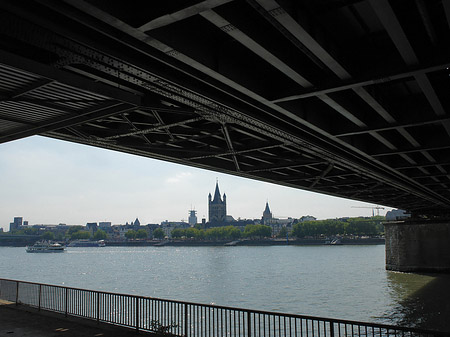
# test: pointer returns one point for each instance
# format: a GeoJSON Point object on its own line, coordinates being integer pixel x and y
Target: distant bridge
{"type": "Point", "coordinates": [343, 97]}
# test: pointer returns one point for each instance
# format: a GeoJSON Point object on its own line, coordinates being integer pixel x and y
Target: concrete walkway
{"type": "Point", "coordinates": [23, 321]}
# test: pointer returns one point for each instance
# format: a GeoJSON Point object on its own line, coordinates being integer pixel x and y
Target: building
{"type": "Point", "coordinates": [217, 207]}
{"type": "Point", "coordinates": [307, 218]}
{"type": "Point", "coordinates": [192, 217]}
{"type": "Point", "coordinates": [267, 215]}
{"type": "Point", "coordinates": [104, 224]}
{"type": "Point", "coordinates": [14, 226]}
{"type": "Point", "coordinates": [169, 226]}
{"type": "Point", "coordinates": [92, 227]}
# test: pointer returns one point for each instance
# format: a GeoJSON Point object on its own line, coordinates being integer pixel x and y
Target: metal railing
{"type": "Point", "coordinates": [188, 319]}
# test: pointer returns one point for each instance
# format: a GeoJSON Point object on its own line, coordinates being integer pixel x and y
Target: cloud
{"type": "Point", "coordinates": [179, 177]}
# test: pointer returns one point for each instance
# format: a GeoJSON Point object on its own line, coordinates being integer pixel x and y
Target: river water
{"type": "Point", "coordinates": [346, 282]}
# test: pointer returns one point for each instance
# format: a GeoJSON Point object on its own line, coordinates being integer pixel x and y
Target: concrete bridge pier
{"type": "Point", "coordinates": [418, 246]}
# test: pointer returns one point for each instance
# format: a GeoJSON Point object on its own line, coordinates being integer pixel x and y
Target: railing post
{"type": "Point", "coordinates": [185, 320]}
{"type": "Point", "coordinates": [331, 329]}
{"type": "Point", "coordinates": [98, 306]}
{"type": "Point", "coordinates": [17, 292]}
{"type": "Point", "coordinates": [249, 324]}
{"type": "Point", "coordinates": [137, 313]}
{"type": "Point", "coordinates": [39, 300]}
{"type": "Point", "coordinates": [66, 302]}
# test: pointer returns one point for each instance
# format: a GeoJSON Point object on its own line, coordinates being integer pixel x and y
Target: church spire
{"type": "Point", "coordinates": [267, 210]}
{"type": "Point", "coordinates": [217, 197]}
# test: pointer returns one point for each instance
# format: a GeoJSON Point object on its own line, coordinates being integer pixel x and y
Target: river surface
{"type": "Point", "coordinates": [347, 282]}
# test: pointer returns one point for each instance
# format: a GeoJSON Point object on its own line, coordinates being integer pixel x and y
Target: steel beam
{"type": "Point", "coordinates": [97, 112]}
{"type": "Point", "coordinates": [75, 81]}
{"type": "Point", "coordinates": [182, 14]}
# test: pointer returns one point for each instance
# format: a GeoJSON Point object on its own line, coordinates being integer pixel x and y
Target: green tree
{"type": "Point", "coordinates": [330, 227]}
{"type": "Point", "coordinates": [177, 233]}
{"type": "Point", "coordinates": [283, 232]}
{"type": "Point", "coordinates": [361, 226]}
{"type": "Point", "coordinates": [48, 236]}
{"type": "Point", "coordinates": [232, 233]}
{"type": "Point", "coordinates": [306, 228]}
{"type": "Point", "coordinates": [158, 233]}
{"type": "Point", "coordinates": [59, 236]}
{"type": "Point", "coordinates": [73, 229]}
{"type": "Point", "coordinates": [80, 235]}
{"type": "Point", "coordinates": [130, 234]}
{"type": "Point", "coordinates": [213, 233]}
{"type": "Point", "coordinates": [141, 234]}
{"type": "Point", "coordinates": [257, 231]}
{"type": "Point", "coordinates": [27, 231]}
{"type": "Point", "coordinates": [100, 234]}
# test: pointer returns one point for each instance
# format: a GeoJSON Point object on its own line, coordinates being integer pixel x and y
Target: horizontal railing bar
{"type": "Point", "coordinates": [235, 309]}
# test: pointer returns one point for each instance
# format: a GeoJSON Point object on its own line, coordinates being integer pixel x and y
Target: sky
{"type": "Point", "coordinates": [49, 181]}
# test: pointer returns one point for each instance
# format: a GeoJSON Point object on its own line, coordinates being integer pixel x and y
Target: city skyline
{"type": "Point", "coordinates": [48, 181]}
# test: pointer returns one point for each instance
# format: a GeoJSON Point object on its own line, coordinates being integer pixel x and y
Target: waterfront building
{"type": "Point", "coordinates": [13, 226]}
{"type": "Point", "coordinates": [307, 218]}
{"type": "Point", "coordinates": [151, 227]}
{"type": "Point", "coordinates": [120, 230]}
{"type": "Point", "coordinates": [217, 207]}
{"type": "Point", "coordinates": [60, 229]}
{"type": "Point", "coordinates": [104, 224]}
{"type": "Point", "coordinates": [192, 217]}
{"type": "Point", "coordinates": [241, 223]}
{"type": "Point", "coordinates": [169, 226]}
{"type": "Point", "coordinates": [277, 224]}
{"type": "Point", "coordinates": [91, 227]}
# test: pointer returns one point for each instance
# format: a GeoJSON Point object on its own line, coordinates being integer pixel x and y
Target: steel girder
{"type": "Point", "coordinates": [342, 98]}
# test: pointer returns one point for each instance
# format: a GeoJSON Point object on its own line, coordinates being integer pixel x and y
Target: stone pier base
{"type": "Point", "coordinates": [413, 246]}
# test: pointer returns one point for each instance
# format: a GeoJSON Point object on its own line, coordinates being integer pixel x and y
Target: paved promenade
{"type": "Point", "coordinates": [22, 321]}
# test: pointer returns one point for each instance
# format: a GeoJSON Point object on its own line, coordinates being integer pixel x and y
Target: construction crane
{"type": "Point", "coordinates": [372, 207]}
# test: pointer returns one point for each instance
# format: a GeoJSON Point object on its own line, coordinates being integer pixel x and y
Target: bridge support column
{"type": "Point", "coordinates": [418, 246]}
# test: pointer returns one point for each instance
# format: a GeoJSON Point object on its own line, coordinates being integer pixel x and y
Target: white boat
{"type": "Point", "coordinates": [45, 247]}
{"type": "Point", "coordinates": [336, 242]}
{"type": "Point", "coordinates": [232, 243]}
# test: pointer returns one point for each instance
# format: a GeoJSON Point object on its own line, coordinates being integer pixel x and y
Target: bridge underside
{"type": "Point", "coordinates": [347, 98]}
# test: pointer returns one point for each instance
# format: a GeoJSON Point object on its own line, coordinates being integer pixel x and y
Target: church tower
{"type": "Point", "coordinates": [267, 215]}
{"type": "Point", "coordinates": [217, 207]}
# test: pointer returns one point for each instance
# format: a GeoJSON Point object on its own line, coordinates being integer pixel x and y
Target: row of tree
{"type": "Point", "coordinates": [330, 227]}
{"type": "Point", "coordinates": [223, 233]}
{"type": "Point", "coordinates": [73, 233]}
{"type": "Point", "coordinates": [139, 234]}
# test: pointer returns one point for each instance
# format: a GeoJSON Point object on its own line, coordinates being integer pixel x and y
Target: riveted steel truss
{"type": "Point", "coordinates": [346, 98]}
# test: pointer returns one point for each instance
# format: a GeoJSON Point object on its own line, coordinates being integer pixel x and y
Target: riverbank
{"type": "Point", "coordinates": [267, 242]}
{"type": "Point", "coordinates": [21, 242]}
